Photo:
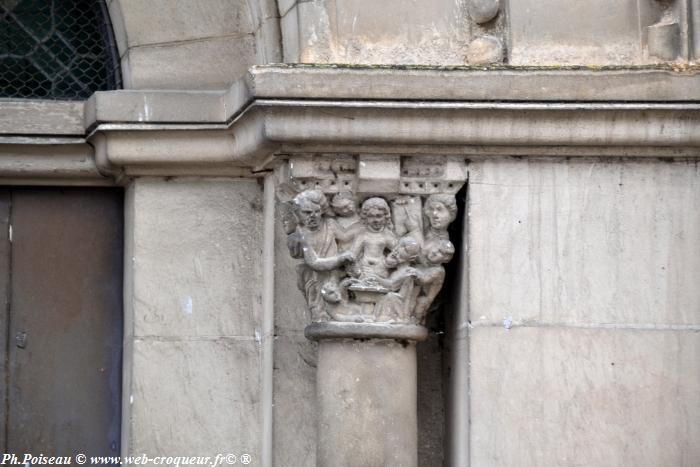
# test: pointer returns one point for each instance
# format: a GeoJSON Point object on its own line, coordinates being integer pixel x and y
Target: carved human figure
{"type": "Point", "coordinates": [439, 210]}
{"type": "Point", "coordinates": [431, 275]}
{"type": "Point", "coordinates": [374, 240]}
{"type": "Point", "coordinates": [398, 304]}
{"type": "Point", "coordinates": [355, 268]}
{"type": "Point", "coordinates": [314, 241]}
{"type": "Point", "coordinates": [344, 207]}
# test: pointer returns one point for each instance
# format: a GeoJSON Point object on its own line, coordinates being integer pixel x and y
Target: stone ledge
{"type": "Point", "coordinates": [339, 330]}
{"type": "Point", "coordinates": [549, 84]}
{"type": "Point", "coordinates": [41, 117]}
{"type": "Point", "coordinates": [454, 85]}
{"type": "Point", "coordinates": [48, 161]}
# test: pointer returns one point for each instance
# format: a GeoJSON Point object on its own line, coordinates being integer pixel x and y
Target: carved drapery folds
{"type": "Point", "coordinates": [370, 233]}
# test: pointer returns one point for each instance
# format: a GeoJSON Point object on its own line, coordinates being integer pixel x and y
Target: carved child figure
{"type": "Point", "coordinates": [373, 240]}
{"type": "Point", "coordinates": [431, 275]}
{"type": "Point", "coordinates": [398, 304]}
{"type": "Point", "coordinates": [343, 205]}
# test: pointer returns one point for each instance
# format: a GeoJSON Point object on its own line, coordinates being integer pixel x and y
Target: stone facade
{"type": "Point", "coordinates": [567, 330]}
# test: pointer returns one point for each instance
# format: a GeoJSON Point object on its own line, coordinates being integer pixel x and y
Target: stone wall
{"type": "Point", "coordinates": [585, 312]}
{"type": "Point", "coordinates": [181, 44]}
{"type": "Point", "coordinates": [476, 32]}
{"type": "Point", "coordinates": [192, 319]}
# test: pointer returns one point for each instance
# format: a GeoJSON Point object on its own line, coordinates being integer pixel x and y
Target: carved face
{"type": "Point", "coordinates": [344, 207]}
{"type": "Point", "coordinates": [440, 253]}
{"type": "Point", "coordinates": [376, 219]}
{"type": "Point", "coordinates": [310, 215]}
{"type": "Point", "coordinates": [407, 250]}
{"type": "Point", "coordinates": [438, 215]}
{"type": "Point", "coordinates": [436, 256]}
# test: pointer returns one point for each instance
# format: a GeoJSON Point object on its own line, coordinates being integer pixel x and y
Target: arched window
{"type": "Point", "coordinates": [56, 49]}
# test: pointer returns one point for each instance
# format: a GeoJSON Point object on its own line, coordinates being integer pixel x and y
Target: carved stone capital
{"type": "Point", "coordinates": [370, 233]}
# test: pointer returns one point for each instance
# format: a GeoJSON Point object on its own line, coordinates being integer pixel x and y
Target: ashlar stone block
{"type": "Point", "coordinates": [195, 398]}
{"type": "Point", "coordinates": [584, 397]}
{"type": "Point", "coordinates": [387, 32]}
{"type": "Point", "coordinates": [206, 64]}
{"type": "Point", "coordinates": [571, 32]}
{"type": "Point", "coordinates": [196, 257]}
{"type": "Point", "coordinates": [162, 21]}
{"type": "Point", "coordinates": [585, 241]}
{"type": "Point", "coordinates": [295, 401]}
{"type": "Point", "coordinates": [378, 174]}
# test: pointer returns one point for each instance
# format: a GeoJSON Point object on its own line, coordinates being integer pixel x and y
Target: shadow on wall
{"type": "Point", "coordinates": [433, 356]}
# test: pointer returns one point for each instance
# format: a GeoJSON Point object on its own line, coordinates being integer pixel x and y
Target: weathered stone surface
{"type": "Point", "coordinates": [295, 401]}
{"type": "Point", "coordinates": [289, 26]}
{"type": "Point", "coordinates": [295, 367]}
{"type": "Point", "coordinates": [609, 398]}
{"type": "Point", "coordinates": [291, 312]}
{"type": "Point", "coordinates": [378, 174]}
{"type": "Point", "coordinates": [54, 164]}
{"type": "Point", "coordinates": [484, 50]}
{"type": "Point", "coordinates": [663, 40]}
{"type": "Point", "coordinates": [560, 32]}
{"type": "Point", "coordinates": [117, 19]}
{"type": "Point", "coordinates": [483, 11]}
{"type": "Point", "coordinates": [367, 404]}
{"type": "Point", "coordinates": [474, 84]}
{"type": "Point", "coordinates": [359, 31]}
{"type": "Point", "coordinates": [196, 259]}
{"type": "Point", "coordinates": [268, 36]}
{"type": "Point", "coordinates": [585, 241]}
{"type": "Point", "coordinates": [205, 64]}
{"type": "Point", "coordinates": [179, 147]}
{"type": "Point", "coordinates": [155, 106]}
{"type": "Point", "coordinates": [33, 117]}
{"type": "Point", "coordinates": [694, 21]}
{"type": "Point", "coordinates": [195, 398]}
{"type": "Point", "coordinates": [162, 21]}
{"type": "Point", "coordinates": [284, 6]}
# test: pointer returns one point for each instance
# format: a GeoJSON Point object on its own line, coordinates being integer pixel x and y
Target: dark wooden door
{"type": "Point", "coordinates": [61, 260]}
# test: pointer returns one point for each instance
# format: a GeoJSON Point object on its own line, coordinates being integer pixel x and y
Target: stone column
{"type": "Point", "coordinates": [371, 236]}
{"type": "Point", "coordinates": [366, 389]}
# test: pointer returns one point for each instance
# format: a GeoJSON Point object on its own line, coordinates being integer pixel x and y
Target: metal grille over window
{"type": "Point", "coordinates": [56, 49]}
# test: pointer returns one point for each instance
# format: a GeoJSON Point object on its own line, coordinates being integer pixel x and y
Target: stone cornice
{"type": "Point", "coordinates": [493, 83]}
{"type": "Point", "coordinates": [282, 126]}
{"type": "Point", "coordinates": [302, 109]}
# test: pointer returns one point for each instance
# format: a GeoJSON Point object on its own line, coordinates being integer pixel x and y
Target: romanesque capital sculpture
{"type": "Point", "coordinates": [371, 235]}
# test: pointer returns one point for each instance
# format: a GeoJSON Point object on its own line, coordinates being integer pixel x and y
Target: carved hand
{"type": "Point", "coordinates": [410, 272]}
{"type": "Point", "coordinates": [347, 257]}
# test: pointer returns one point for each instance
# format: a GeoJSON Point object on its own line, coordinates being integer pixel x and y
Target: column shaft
{"type": "Point", "coordinates": [367, 403]}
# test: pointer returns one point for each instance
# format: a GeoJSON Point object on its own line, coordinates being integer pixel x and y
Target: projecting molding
{"type": "Point", "coordinates": [382, 110]}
